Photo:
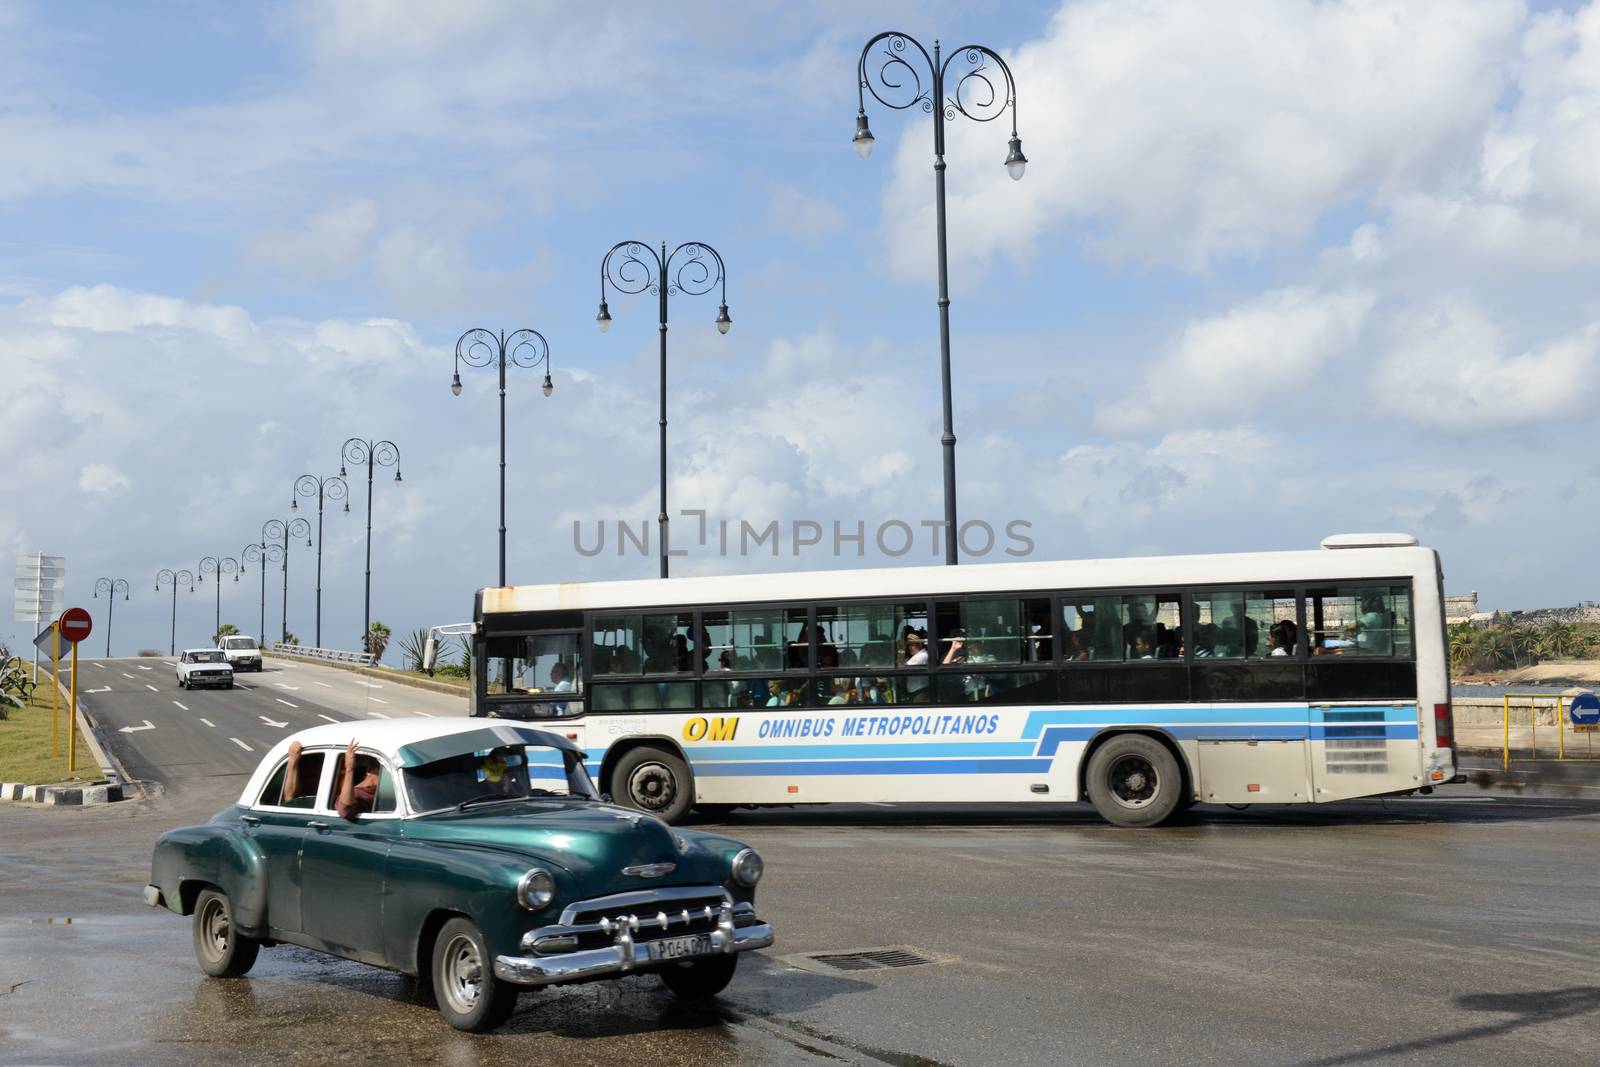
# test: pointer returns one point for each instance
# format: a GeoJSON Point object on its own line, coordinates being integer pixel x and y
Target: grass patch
{"type": "Point", "coordinates": [464, 684]}
{"type": "Point", "coordinates": [25, 744]}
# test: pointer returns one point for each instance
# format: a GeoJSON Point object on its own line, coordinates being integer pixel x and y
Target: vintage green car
{"type": "Point", "coordinates": [475, 855]}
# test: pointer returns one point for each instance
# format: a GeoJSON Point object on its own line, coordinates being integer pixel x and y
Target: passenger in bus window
{"type": "Point", "coordinates": [1205, 640]}
{"type": "Point", "coordinates": [957, 652]}
{"type": "Point", "coordinates": [1283, 636]}
{"type": "Point", "coordinates": [800, 650]}
{"type": "Point", "coordinates": [917, 656]}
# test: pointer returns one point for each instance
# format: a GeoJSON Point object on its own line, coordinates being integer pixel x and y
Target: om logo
{"type": "Point", "coordinates": [701, 729]}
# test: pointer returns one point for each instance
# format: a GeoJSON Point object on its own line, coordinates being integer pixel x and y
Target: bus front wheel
{"type": "Point", "coordinates": [1134, 780]}
{"type": "Point", "coordinates": [654, 781]}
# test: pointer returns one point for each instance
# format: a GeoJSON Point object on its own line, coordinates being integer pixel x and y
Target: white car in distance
{"type": "Point", "coordinates": [243, 653]}
{"type": "Point", "coordinates": [204, 667]}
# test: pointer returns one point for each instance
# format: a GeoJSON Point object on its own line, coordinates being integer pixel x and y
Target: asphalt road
{"type": "Point", "coordinates": [1448, 930]}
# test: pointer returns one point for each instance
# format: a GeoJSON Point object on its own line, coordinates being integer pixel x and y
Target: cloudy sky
{"type": "Point", "coordinates": [1277, 269]}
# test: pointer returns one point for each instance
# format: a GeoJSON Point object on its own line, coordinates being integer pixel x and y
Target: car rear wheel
{"type": "Point", "coordinates": [222, 950]}
{"type": "Point", "coordinates": [698, 979]}
{"type": "Point", "coordinates": [654, 781]}
{"type": "Point", "coordinates": [1133, 780]}
{"type": "Point", "coordinates": [470, 997]}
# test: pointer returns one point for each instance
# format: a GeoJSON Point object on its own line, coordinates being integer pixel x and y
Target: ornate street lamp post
{"type": "Point", "coordinates": [174, 579]}
{"type": "Point", "coordinates": [520, 348]}
{"type": "Point", "coordinates": [898, 84]}
{"type": "Point", "coordinates": [218, 567]}
{"type": "Point", "coordinates": [373, 454]}
{"type": "Point", "coordinates": [263, 553]}
{"type": "Point", "coordinates": [112, 586]}
{"type": "Point", "coordinates": [632, 267]}
{"type": "Point", "coordinates": [324, 489]}
{"type": "Point", "coordinates": [272, 530]}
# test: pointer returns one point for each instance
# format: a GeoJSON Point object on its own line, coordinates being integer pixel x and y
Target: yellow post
{"type": "Point", "coordinates": [72, 720]}
{"type": "Point", "coordinates": [55, 693]}
{"type": "Point", "coordinates": [1561, 731]}
{"type": "Point", "coordinates": [1533, 723]}
{"type": "Point", "coordinates": [1505, 720]}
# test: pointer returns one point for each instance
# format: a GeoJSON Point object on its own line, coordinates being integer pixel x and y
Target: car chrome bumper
{"type": "Point", "coordinates": [624, 957]}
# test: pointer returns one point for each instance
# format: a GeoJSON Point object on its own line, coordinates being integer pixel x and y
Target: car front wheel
{"type": "Point", "coordinates": [222, 950]}
{"type": "Point", "coordinates": [470, 997]}
{"type": "Point", "coordinates": [698, 979]}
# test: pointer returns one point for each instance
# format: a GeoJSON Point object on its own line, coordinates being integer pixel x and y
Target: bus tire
{"type": "Point", "coordinates": [654, 781]}
{"type": "Point", "coordinates": [1134, 780]}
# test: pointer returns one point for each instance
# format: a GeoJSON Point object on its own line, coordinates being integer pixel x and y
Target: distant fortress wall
{"type": "Point", "coordinates": [1460, 608]}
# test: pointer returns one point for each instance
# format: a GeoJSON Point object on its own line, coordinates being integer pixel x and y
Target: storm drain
{"type": "Point", "coordinates": [869, 959]}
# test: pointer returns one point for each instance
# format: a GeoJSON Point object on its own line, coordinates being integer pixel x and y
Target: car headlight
{"type": "Point", "coordinates": [747, 867]}
{"type": "Point", "coordinates": [536, 889]}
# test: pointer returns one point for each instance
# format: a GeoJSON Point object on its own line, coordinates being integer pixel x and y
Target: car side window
{"type": "Point", "coordinates": [302, 793]}
{"type": "Point", "coordinates": [383, 800]}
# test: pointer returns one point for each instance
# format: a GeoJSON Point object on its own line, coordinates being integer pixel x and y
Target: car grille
{"type": "Point", "coordinates": [647, 915]}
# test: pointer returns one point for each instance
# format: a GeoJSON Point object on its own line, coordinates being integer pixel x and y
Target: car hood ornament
{"type": "Point", "coordinates": [650, 870]}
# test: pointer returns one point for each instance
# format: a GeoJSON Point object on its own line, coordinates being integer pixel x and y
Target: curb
{"type": "Point", "coordinates": [397, 677]}
{"type": "Point", "coordinates": [60, 795]}
{"type": "Point", "coordinates": [112, 787]}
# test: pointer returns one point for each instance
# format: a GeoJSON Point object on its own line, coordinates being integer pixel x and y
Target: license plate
{"type": "Point", "coordinates": [677, 948]}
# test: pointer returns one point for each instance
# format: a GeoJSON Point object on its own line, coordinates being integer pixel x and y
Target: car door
{"type": "Point", "coordinates": [343, 865]}
{"type": "Point", "coordinates": [277, 824]}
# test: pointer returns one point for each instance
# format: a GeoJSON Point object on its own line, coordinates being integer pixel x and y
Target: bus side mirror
{"type": "Point", "coordinates": [430, 655]}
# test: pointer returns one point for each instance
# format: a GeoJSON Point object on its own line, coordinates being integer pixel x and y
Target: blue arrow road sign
{"type": "Point", "coordinates": [1585, 709]}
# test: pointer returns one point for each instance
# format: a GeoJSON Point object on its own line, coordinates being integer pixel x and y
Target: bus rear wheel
{"type": "Point", "coordinates": [1134, 780]}
{"type": "Point", "coordinates": [655, 781]}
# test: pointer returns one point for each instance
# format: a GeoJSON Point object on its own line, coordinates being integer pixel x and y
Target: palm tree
{"type": "Point", "coordinates": [377, 640]}
{"type": "Point", "coordinates": [1561, 640]}
{"type": "Point", "coordinates": [227, 629]}
{"type": "Point", "coordinates": [412, 646]}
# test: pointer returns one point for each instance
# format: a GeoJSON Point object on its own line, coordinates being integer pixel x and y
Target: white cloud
{"type": "Point", "coordinates": [102, 478]}
{"type": "Point", "coordinates": [1450, 371]}
{"type": "Point", "coordinates": [1226, 366]}
{"type": "Point", "coordinates": [801, 214]}
{"type": "Point", "coordinates": [1194, 133]}
{"type": "Point", "coordinates": [327, 244]}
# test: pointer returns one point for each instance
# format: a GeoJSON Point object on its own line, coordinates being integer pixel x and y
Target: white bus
{"type": "Point", "coordinates": [1141, 685]}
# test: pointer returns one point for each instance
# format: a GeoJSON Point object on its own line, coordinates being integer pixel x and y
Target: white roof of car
{"type": "Point", "coordinates": [189, 650]}
{"type": "Point", "coordinates": [385, 737]}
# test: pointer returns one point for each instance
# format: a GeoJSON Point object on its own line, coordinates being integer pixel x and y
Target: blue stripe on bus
{"type": "Point", "coordinates": [1139, 714]}
{"type": "Point", "coordinates": [845, 767]}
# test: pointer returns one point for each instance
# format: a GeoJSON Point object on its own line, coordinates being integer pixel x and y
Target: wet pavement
{"type": "Point", "coordinates": [1457, 929]}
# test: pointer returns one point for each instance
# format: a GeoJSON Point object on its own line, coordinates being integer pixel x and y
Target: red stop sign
{"type": "Point", "coordinates": [74, 625]}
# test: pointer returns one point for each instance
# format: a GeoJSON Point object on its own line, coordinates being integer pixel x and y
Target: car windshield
{"type": "Point", "coordinates": [240, 642]}
{"type": "Point", "coordinates": [507, 772]}
{"type": "Point", "coordinates": [205, 657]}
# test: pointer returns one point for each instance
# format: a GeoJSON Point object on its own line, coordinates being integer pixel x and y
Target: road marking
{"type": "Point", "coordinates": [369, 685]}
{"type": "Point", "coordinates": [105, 689]}
{"type": "Point", "coordinates": [375, 700]}
{"type": "Point", "coordinates": [148, 725]}
{"type": "Point", "coordinates": [324, 685]}
{"type": "Point", "coordinates": [330, 718]}
{"type": "Point", "coordinates": [291, 688]}
{"type": "Point", "coordinates": [424, 714]}
{"type": "Point", "coordinates": [285, 702]}
{"type": "Point", "coordinates": [376, 715]}
{"type": "Point", "coordinates": [269, 722]}
{"type": "Point", "coordinates": [241, 685]}
{"type": "Point", "coordinates": [128, 676]}
{"type": "Point", "coordinates": [182, 708]}
{"type": "Point", "coordinates": [241, 744]}
{"type": "Point", "coordinates": [209, 723]}
{"type": "Point", "coordinates": [102, 666]}
{"type": "Point", "coordinates": [152, 688]}
{"type": "Point", "coordinates": [146, 668]}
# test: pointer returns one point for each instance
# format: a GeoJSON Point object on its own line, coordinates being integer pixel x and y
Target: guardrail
{"type": "Point", "coordinates": [327, 655]}
{"type": "Point", "coordinates": [1536, 703]}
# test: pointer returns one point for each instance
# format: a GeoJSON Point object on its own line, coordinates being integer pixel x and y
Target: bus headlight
{"type": "Point", "coordinates": [747, 867]}
{"type": "Point", "coordinates": [536, 889]}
